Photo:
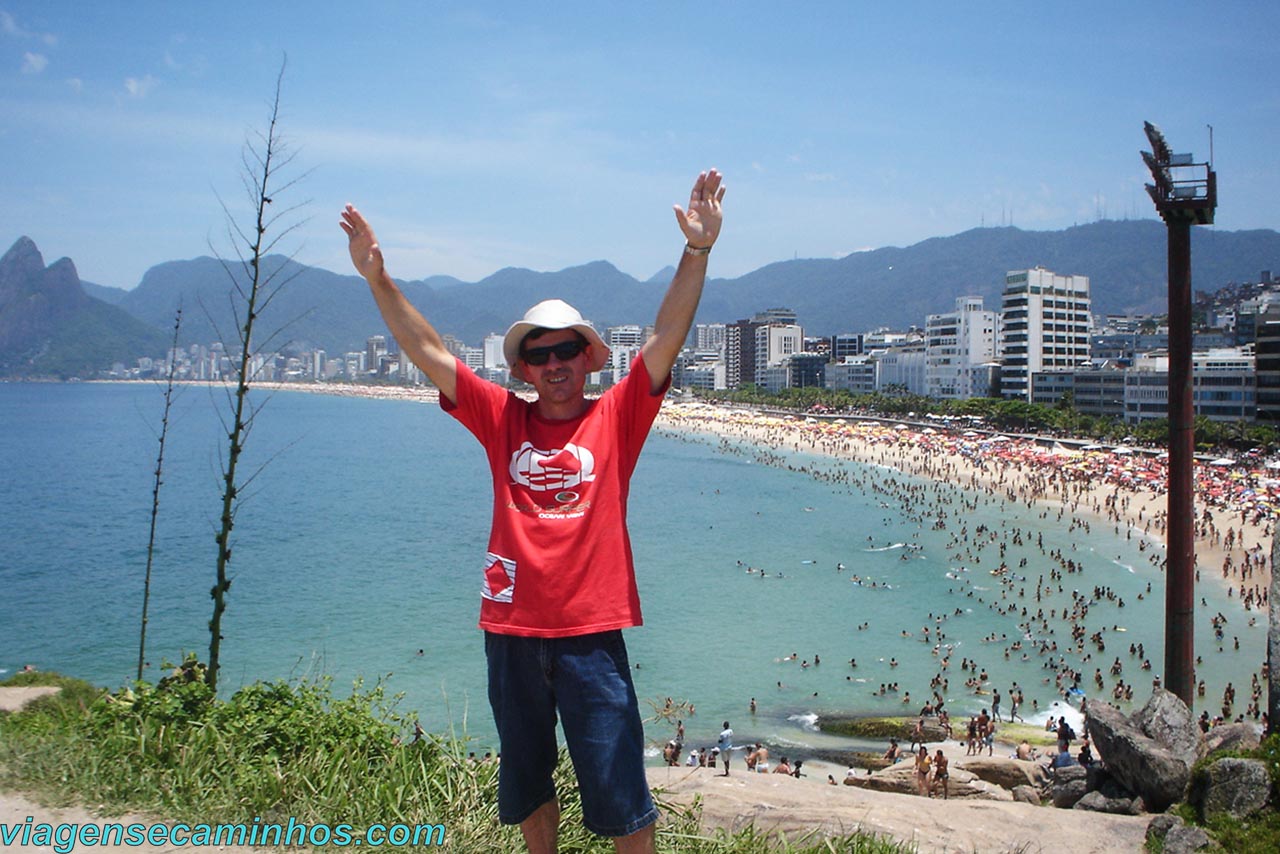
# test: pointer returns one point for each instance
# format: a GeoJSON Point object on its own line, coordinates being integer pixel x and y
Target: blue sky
{"type": "Point", "coordinates": [478, 136]}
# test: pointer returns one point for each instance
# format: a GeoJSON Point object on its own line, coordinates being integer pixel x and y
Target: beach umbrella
{"type": "Point", "coordinates": [1223, 461]}
{"type": "Point", "coordinates": [901, 427]}
{"type": "Point", "coordinates": [1121, 449]}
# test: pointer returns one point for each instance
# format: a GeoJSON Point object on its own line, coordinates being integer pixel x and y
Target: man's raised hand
{"type": "Point", "coordinates": [701, 222]}
{"type": "Point", "coordinates": [366, 255]}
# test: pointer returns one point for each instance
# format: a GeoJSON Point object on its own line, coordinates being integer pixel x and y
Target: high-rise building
{"type": "Point", "coordinates": [1267, 353]}
{"type": "Point", "coordinates": [375, 347]}
{"type": "Point", "coordinates": [624, 344]}
{"type": "Point", "coordinates": [957, 345]}
{"type": "Point", "coordinates": [709, 337]}
{"type": "Point", "coordinates": [775, 343]}
{"type": "Point", "coordinates": [494, 357]}
{"type": "Point", "coordinates": [740, 354]}
{"type": "Point", "coordinates": [1045, 327]}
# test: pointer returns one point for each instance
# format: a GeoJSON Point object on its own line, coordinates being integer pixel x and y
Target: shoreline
{"type": "Point", "coordinates": [1015, 470]}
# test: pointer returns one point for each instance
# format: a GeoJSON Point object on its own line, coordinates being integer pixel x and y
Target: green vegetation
{"type": "Point", "coordinates": [277, 750]}
{"type": "Point", "coordinates": [1008, 415]}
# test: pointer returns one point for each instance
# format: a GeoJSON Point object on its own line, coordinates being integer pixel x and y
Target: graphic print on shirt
{"type": "Point", "coordinates": [559, 470]}
{"type": "Point", "coordinates": [499, 578]}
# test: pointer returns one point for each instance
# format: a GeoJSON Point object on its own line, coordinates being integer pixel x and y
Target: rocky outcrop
{"type": "Point", "coordinates": [1069, 785]}
{"type": "Point", "coordinates": [1007, 773]}
{"type": "Point", "coordinates": [1027, 795]}
{"type": "Point", "coordinates": [1175, 836]}
{"type": "Point", "coordinates": [1237, 787]}
{"type": "Point", "coordinates": [1158, 770]}
{"type": "Point", "coordinates": [1231, 737]}
{"type": "Point", "coordinates": [1098, 802]}
{"type": "Point", "coordinates": [1167, 721]}
{"type": "Point", "coordinates": [901, 779]}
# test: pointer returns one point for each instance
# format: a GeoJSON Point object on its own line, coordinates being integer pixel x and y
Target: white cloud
{"type": "Point", "coordinates": [34, 63]}
{"type": "Point", "coordinates": [10, 27]}
{"type": "Point", "coordinates": [139, 87]}
{"type": "Point", "coordinates": [75, 84]}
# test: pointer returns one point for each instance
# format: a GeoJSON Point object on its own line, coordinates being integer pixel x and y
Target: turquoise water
{"type": "Point", "coordinates": [360, 540]}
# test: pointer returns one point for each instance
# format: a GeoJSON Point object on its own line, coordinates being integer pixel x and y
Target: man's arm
{"type": "Point", "coordinates": [701, 226]}
{"type": "Point", "coordinates": [418, 339]}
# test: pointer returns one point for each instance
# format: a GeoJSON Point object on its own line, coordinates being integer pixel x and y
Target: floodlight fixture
{"type": "Point", "coordinates": [1158, 145]}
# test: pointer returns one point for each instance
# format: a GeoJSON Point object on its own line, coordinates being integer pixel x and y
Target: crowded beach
{"type": "Point", "coordinates": [1083, 489]}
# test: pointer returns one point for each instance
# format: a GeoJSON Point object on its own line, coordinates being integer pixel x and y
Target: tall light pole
{"type": "Point", "coordinates": [1185, 194]}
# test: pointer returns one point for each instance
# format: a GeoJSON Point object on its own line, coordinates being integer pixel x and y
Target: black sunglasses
{"type": "Point", "coordinates": [564, 351]}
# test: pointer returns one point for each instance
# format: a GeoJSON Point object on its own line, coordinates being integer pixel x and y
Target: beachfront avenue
{"type": "Point", "coordinates": [65, 837]}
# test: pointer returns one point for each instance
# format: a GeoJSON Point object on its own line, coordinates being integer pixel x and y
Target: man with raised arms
{"type": "Point", "coordinates": [558, 582]}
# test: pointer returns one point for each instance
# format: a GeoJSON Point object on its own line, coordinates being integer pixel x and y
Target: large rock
{"type": "Point", "coordinates": [1027, 794]}
{"type": "Point", "coordinates": [1160, 825]}
{"type": "Point", "coordinates": [1167, 721]}
{"type": "Point", "coordinates": [901, 779]}
{"type": "Point", "coordinates": [1236, 787]}
{"type": "Point", "coordinates": [1185, 839]}
{"type": "Point", "coordinates": [1098, 802]}
{"type": "Point", "coordinates": [1006, 773]}
{"type": "Point", "coordinates": [1069, 785]}
{"type": "Point", "coordinates": [1240, 736]}
{"type": "Point", "coordinates": [1138, 761]}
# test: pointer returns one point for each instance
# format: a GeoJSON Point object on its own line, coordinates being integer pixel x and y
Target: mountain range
{"type": "Point", "coordinates": [52, 324]}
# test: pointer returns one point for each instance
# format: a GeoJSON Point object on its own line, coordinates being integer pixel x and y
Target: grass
{"type": "Point", "coordinates": [278, 750]}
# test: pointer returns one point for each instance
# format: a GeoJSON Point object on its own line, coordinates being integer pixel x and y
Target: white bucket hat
{"type": "Point", "coordinates": [554, 314]}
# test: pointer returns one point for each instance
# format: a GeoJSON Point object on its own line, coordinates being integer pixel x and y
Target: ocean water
{"type": "Point", "coordinates": [361, 535]}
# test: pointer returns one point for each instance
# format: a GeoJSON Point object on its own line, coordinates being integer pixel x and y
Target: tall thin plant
{"type": "Point", "coordinates": [155, 489]}
{"type": "Point", "coordinates": [264, 157]}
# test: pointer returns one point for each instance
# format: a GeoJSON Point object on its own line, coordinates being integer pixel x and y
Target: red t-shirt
{"type": "Point", "coordinates": [559, 561]}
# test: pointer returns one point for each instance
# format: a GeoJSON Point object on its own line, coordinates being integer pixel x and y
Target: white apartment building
{"type": "Point", "coordinates": [855, 374]}
{"type": "Point", "coordinates": [1045, 326]}
{"type": "Point", "coordinates": [901, 369]}
{"type": "Point", "coordinates": [774, 343]}
{"type": "Point", "coordinates": [493, 355]}
{"type": "Point", "coordinates": [624, 345]}
{"type": "Point", "coordinates": [957, 345]}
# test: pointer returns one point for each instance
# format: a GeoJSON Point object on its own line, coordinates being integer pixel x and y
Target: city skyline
{"type": "Point", "coordinates": [480, 138]}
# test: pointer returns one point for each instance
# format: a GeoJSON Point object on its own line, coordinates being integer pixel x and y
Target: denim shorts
{"type": "Point", "coordinates": [587, 679]}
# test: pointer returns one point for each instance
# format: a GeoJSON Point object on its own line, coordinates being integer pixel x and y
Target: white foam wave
{"type": "Point", "coordinates": [807, 721]}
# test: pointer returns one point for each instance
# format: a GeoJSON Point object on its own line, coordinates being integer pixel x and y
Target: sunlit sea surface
{"type": "Point", "coordinates": [362, 532]}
